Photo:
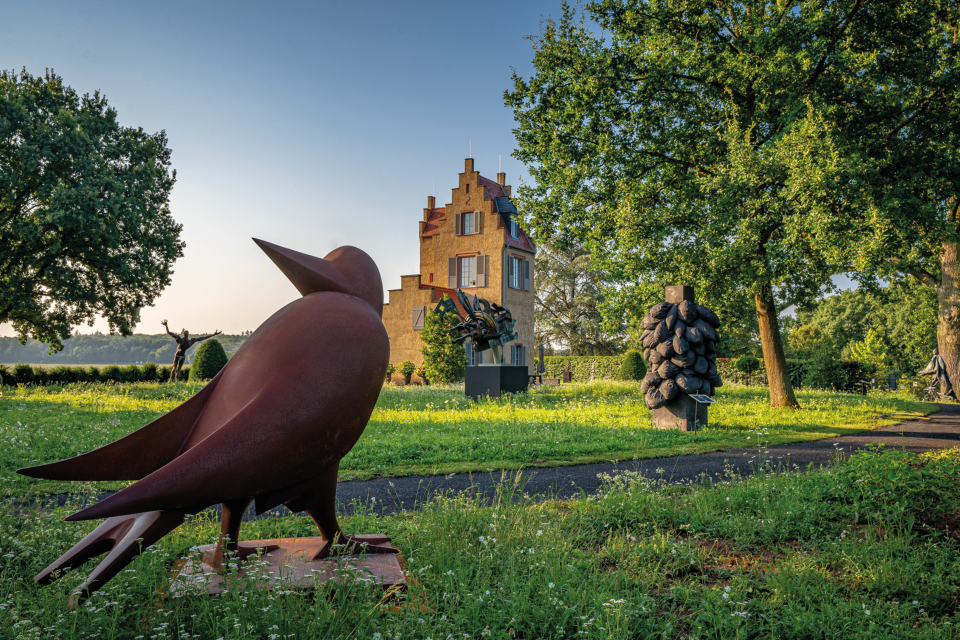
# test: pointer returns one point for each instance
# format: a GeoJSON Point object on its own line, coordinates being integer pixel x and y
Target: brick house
{"type": "Point", "coordinates": [473, 243]}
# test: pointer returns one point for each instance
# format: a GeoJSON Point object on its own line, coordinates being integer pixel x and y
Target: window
{"type": "Point", "coordinates": [473, 357]}
{"type": "Point", "coordinates": [514, 272]}
{"type": "Point", "coordinates": [468, 272]}
{"type": "Point", "coordinates": [468, 188]}
{"type": "Point", "coordinates": [431, 277]}
{"type": "Point", "coordinates": [514, 228]}
{"type": "Point", "coordinates": [518, 355]}
{"type": "Point", "coordinates": [467, 221]}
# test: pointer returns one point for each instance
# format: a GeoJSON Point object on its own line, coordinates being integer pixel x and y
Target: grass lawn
{"type": "Point", "coordinates": [435, 430]}
{"type": "Point", "coordinates": [866, 550]}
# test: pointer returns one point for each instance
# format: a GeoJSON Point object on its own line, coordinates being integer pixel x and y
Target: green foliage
{"type": "Point", "coordinates": [149, 372]}
{"type": "Point", "coordinates": [805, 339]}
{"type": "Point", "coordinates": [568, 301]}
{"type": "Point", "coordinates": [421, 371]}
{"type": "Point", "coordinates": [130, 373]}
{"type": "Point", "coordinates": [23, 373]}
{"type": "Point", "coordinates": [602, 367]}
{"type": "Point", "coordinates": [93, 374]}
{"type": "Point", "coordinates": [208, 361]}
{"type": "Point", "coordinates": [443, 360]}
{"type": "Point", "coordinates": [111, 373]}
{"type": "Point", "coordinates": [871, 353]}
{"type": "Point", "coordinates": [390, 369]}
{"type": "Point", "coordinates": [899, 483]}
{"type": "Point", "coordinates": [746, 364]}
{"type": "Point", "coordinates": [744, 149]}
{"type": "Point", "coordinates": [86, 227]}
{"type": "Point", "coordinates": [632, 367]}
{"type": "Point", "coordinates": [107, 349]}
{"type": "Point", "coordinates": [406, 368]}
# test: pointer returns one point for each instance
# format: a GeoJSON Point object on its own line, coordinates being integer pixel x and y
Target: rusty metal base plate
{"type": "Point", "coordinates": [288, 566]}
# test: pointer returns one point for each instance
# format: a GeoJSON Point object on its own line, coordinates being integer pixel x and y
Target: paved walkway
{"type": "Point", "coordinates": [937, 431]}
{"type": "Point", "coordinates": [391, 495]}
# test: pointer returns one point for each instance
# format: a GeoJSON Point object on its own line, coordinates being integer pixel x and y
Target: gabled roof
{"type": "Point", "coordinates": [493, 190]}
{"type": "Point", "coordinates": [505, 205]}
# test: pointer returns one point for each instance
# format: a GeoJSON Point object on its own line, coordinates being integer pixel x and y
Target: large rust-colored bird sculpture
{"type": "Point", "coordinates": [270, 428]}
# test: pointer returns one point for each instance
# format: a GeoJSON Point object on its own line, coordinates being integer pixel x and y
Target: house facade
{"type": "Point", "coordinates": [473, 243]}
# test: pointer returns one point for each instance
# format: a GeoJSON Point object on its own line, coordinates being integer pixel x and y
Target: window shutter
{"type": "Point", "coordinates": [419, 314]}
{"type": "Point", "coordinates": [469, 348]}
{"type": "Point", "coordinates": [457, 225]}
{"type": "Point", "coordinates": [510, 269]}
{"type": "Point", "coordinates": [526, 275]}
{"type": "Point", "coordinates": [481, 271]}
{"type": "Point", "coordinates": [478, 225]}
{"type": "Point", "coordinates": [523, 356]}
{"type": "Point", "coordinates": [451, 273]}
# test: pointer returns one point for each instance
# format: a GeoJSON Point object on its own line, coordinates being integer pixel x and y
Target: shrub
{"type": "Point", "coordinates": [163, 372]}
{"type": "Point", "coordinates": [185, 373]}
{"type": "Point", "coordinates": [632, 367]}
{"type": "Point", "coordinates": [111, 373]}
{"type": "Point", "coordinates": [421, 372]}
{"type": "Point", "coordinates": [130, 373]}
{"type": "Point", "coordinates": [443, 361]}
{"type": "Point", "coordinates": [746, 364]}
{"type": "Point", "coordinates": [41, 376]}
{"type": "Point", "coordinates": [149, 373]}
{"type": "Point", "coordinates": [602, 367]}
{"type": "Point", "coordinates": [23, 373]}
{"type": "Point", "coordinates": [63, 375]}
{"type": "Point", "coordinates": [93, 374]}
{"type": "Point", "coordinates": [208, 361]}
{"type": "Point", "coordinates": [6, 376]}
{"type": "Point", "coordinates": [406, 368]}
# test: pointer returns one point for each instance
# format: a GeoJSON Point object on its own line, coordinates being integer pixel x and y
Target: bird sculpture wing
{"type": "Point", "coordinates": [136, 455]}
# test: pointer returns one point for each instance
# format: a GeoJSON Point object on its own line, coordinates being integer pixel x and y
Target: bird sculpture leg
{"type": "Point", "coordinates": [124, 537]}
{"type": "Point", "coordinates": [321, 505]}
{"type": "Point", "coordinates": [229, 541]}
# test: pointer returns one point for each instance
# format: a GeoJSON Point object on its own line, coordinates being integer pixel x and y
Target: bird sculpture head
{"type": "Point", "coordinates": [345, 270]}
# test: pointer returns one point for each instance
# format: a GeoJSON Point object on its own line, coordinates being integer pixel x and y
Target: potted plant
{"type": "Point", "coordinates": [421, 372]}
{"type": "Point", "coordinates": [406, 369]}
{"type": "Point", "coordinates": [390, 370]}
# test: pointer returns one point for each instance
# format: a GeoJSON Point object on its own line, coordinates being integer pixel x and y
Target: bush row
{"type": "Point", "coordinates": [836, 375]}
{"type": "Point", "coordinates": [583, 368]}
{"type": "Point", "coordinates": [25, 374]}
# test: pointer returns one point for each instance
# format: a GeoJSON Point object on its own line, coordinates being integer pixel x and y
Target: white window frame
{"type": "Point", "coordinates": [468, 278]}
{"type": "Point", "coordinates": [514, 228]}
{"type": "Point", "coordinates": [468, 230]}
{"type": "Point", "coordinates": [515, 272]}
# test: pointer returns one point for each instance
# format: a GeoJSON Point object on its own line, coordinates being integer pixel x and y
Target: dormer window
{"type": "Point", "coordinates": [514, 228]}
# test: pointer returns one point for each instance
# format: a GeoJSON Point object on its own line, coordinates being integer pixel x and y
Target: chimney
{"type": "Point", "coordinates": [431, 202]}
{"type": "Point", "coordinates": [501, 179]}
{"type": "Point", "coordinates": [468, 165]}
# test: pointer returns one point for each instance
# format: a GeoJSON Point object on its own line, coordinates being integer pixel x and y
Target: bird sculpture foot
{"type": "Point", "coordinates": [243, 551]}
{"type": "Point", "coordinates": [345, 545]}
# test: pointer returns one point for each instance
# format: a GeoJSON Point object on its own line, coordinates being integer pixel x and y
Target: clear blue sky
{"type": "Point", "coordinates": [308, 124]}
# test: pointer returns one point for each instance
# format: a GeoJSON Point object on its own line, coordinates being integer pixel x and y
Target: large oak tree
{"type": "Point", "coordinates": [85, 226]}
{"type": "Point", "coordinates": [728, 145]}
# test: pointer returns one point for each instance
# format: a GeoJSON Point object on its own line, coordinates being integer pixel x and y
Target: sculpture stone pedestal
{"type": "Point", "coordinates": [494, 380]}
{"type": "Point", "coordinates": [682, 413]}
{"type": "Point", "coordinates": [289, 566]}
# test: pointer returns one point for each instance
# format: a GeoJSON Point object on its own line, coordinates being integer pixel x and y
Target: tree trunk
{"type": "Point", "coordinates": [774, 361]}
{"type": "Point", "coordinates": [948, 306]}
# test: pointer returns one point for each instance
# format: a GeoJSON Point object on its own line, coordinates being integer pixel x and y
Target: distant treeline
{"type": "Point", "coordinates": [106, 349]}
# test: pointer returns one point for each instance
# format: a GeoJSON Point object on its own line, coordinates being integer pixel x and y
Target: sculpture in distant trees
{"type": "Point", "coordinates": [184, 342]}
{"type": "Point", "coordinates": [937, 370]}
{"type": "Point", "coordinates": [85, 224]}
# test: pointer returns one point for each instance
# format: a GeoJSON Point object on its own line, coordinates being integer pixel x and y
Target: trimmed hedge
{"type": "Point", "coordinates": [25, 374]}
{"type": "Point", "coordinates": [835, 375]}
{"type": "Point", "coordinates": [603, 367]}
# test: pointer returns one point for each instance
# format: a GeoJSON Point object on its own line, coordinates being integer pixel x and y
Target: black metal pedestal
{"type": "Point", "coordinates": [494, 380]}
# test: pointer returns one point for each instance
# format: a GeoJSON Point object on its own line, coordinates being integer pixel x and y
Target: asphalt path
{"type": "Point", "coordinates": [392, 495]}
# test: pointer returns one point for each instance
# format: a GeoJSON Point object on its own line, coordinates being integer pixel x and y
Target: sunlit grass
{"type": "Point", "coordinates": [435, 429]}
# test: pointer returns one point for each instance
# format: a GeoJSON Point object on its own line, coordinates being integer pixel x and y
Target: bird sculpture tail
{"type": "Point", "coordinates": [122, 538]}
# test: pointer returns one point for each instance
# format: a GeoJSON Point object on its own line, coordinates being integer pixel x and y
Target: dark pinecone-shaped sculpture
{"type": "Point", "coordinates": [679, 345]}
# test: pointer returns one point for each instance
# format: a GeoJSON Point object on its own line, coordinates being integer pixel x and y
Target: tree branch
{"type": "Point", "coordinates": [923, 106]}
{"type": "Point", "coordinates": [920, 274]}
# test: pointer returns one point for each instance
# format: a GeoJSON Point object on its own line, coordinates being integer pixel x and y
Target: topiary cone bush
{"type": "Point", "coordinates": [443, 361]}
{"type": "Point", "coordinates": [747, 365]}
{"type": "Point", "coordinates": [679, 345]}
{"type": "Point", "coordinates": [632, 367]}
{"type": "Point", "coordinates": [208, 361]}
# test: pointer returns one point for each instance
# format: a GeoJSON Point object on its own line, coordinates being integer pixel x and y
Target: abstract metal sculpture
{"type": "Point", "coordinates": [486, 325]}
{"type": "Point", "coordinates": [679, 341]}
{"type": "Point", "coordinates": [937, 370]}
{"type": "Point", "coordinates": [271, 427]}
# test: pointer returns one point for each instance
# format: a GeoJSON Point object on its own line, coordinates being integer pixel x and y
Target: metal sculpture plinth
{"type": "Point", "coordinates": [290, 564]}
{"type": "Point", "coordinates": [494, 380]}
